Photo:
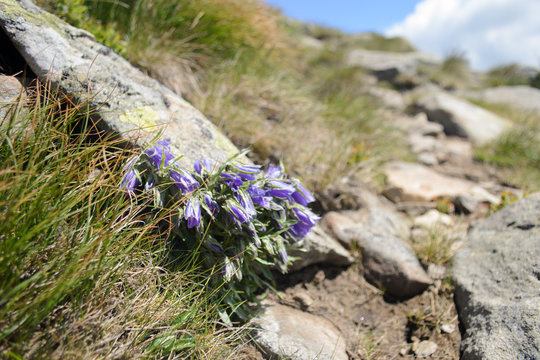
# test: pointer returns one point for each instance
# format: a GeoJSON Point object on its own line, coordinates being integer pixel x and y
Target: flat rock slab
{"type": "Point", "coordinates": [415, 182]}
{"type": "Point", "coordinates": [520, 97]}
{"type": "Point", "coordinates": [129, 102]}
{"type": "Point", "coordinates": [320, 248]}
{"type": "Point", "coordinates": [284, 332]}
{"type": "Point", "coordinates": [387, 65]}
{"type": "Point", "coordinates": [497, 277]}
{"type": "Point", "coordinates": [388, 261]}
{"type": "Point", "coordinates": [461, 118]}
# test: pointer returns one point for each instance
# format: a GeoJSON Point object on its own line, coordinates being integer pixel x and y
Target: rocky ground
{"type": "Point", "coordinates": [389, 305]}
{"type": "Point", "coordinates": [378, 280]}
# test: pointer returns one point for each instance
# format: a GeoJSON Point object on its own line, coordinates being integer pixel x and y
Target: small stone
{"type": "Point", "coordinates": [428, 159]}
{"type": "Point", "coordinates": [404, 351]}
{"type": "Point", "coordinates": [448, 328]}
{"type": "Point", "coordinates": [465, 203]}
{"type": "Point", "coordinates": [433, 218]}
{"type": "Point", "coordinates": [425, 348]}
{"type": "Point", "coordinates": [303, 299]}
{"type": "Point", "coordinates": [284, 332]}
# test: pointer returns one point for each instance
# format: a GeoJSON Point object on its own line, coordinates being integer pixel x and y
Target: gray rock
{"type": "Point", "coordinates": [378, 220]}
{"type": "Point", "coordinates": [425, 348]}
{"type": "Point", "coordinates": [391, 98]}
{"type": "Point", "coordinates": [388, 261]}
{"type": "Point", "coordinates": [387, 65]}
{"type": "Point", "coordinates": [419, 125]}
{"type": "Point", "coordinates": [433, 218]}
{"type": "Point", "coordinates": [448, 328]}
{"type": "Point", "coordinates": [461, 118]}
{"type": "Point", "coordinates": [347, 194]}
{"type": "Point", "coordinates": [415, 208]}
{"type": "Point", "coordinates": [428, 159]}
{"type": "Point", "coordinates": [466, 204]}
{"type": "Point", "coordinates": [497, 276]}
{"type": "Point", "coordinates": [284, 332]}
{"type": "Point", "coordinates": [520, 97]}
{"type": "Point", "coordinates": [320, 248]}
{"type": "Point", "coordinates": [128, 102]}
{"type": "Point", "coordinates": [392, 264]}
{"type": "Point", "coordinates": [416, 182]}
{"type": "Point", "coordinates": [422, 144]}
{"type": "Point", "coordinates": [10, 90]}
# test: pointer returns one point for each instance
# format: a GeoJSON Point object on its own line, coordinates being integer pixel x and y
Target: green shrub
{"type": "Point", "coordinates": [512, 74]}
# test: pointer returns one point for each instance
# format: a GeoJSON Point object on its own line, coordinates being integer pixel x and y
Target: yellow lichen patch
{"type": "Point", "coordinates": [144, 117]}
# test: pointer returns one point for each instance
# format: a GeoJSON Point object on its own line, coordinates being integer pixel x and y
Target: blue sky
{"type": "Point", "coordinates": [348, 15]}
{"type": "Point", "coordinates": [488, 32]}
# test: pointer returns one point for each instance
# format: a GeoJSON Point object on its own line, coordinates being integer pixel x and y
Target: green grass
{"type": "Point", "coordinates": [435, 246]}
{"type": "Point", "coordinates": [240, 63]}
{"type": "Point", "coordinates": [516, 153]}
{"type": "Point", "coordinates": [510, 75]}
{"type": "Point", "coordinates": [85, 273]}
{"type": "Point", "coordinates": [377, 42]}
{"type": "Point", "coordinates": [452, 73]}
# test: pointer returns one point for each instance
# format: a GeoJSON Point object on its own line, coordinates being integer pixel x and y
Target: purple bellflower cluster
{"type": "Point", "coordinates": [244, 217]}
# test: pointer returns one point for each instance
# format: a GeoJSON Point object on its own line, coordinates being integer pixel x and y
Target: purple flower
{"type": "Point", "coordinates": [231, 180]}
{"type": "Point", "coordinates": [214, 245]}
{"type": "Point", "coordinates": [150, 183]}
{"type": "Point", "coordinates": [306, 220]}
{"type": "Point", "coordinates": [302, 196]}
{"type": "Point", "coordinates": [299, 230]}
{"type": "Point", "coordinates": [258, 196]}
{"type": "Point", "coordinates": [130, 181]}
{"type": "Point", "coordinates": [193, 214]}
{"type": "Point", "coordinates": [247, 172]}
{"type": "Point", "coordinates": [273, 172]}
{"type": "Point", "coordinates": [212, 205]}
{"type": "Point", "coordinates": [282, 255]}
{"type": "Point", "coordinates": [246, 202]}
{"type": "Point", "coordinates": [305, 216]}
{"type": "Point", "coordinates": [230, 270]}
{"type": "Point", "coordinates": [160, 153]}
{"type": "Point", "coordinates": [236, 213]}
{"type": "Point", "coordinates": [184, 180]}
{"type": "Point", "coordinates": [280, 189]}
{"type": "Point", "coordinates": [198, 166]}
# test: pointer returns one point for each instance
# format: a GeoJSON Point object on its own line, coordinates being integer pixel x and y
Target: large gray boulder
{"type": "Point", "coordinates": [497, 278]}
{"type": "Point", "coordinates": [127, 101]}
{"type": "Point", "coordinates": [461, 118]}
{"type": "Point", "coordinates": [520, 97]}
{"type": "Point", "coordinates": [287, 333]}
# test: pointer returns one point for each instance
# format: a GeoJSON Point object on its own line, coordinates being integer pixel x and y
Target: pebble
{"type": "Point", "coordinates": [303, 299]}
{"type": "Point", "coordinates": [448, 328]}
{"type": "Point", "coordinates": [425, 348]}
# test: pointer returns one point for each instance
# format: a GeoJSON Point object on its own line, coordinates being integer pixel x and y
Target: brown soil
{"type": "Point", "coordinates": [374, 326]}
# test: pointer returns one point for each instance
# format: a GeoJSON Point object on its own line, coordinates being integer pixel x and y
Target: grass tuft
{"type": "Point", "coordinates": [515, 153]}
{"type": "Point", "coordinates": [85, 274]}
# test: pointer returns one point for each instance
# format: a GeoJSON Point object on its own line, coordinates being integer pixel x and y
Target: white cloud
{"type": "Point", "coordinates": [488, 32]}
